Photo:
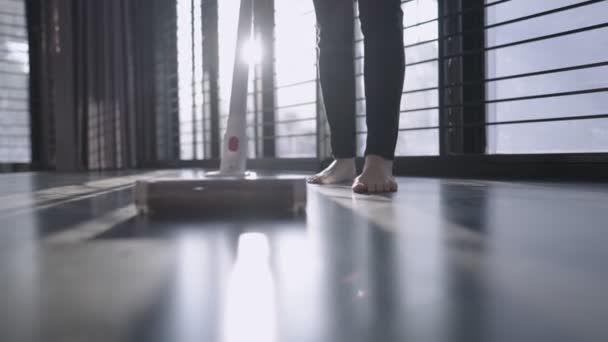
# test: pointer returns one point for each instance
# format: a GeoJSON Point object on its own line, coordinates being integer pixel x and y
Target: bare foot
{"type": "Point", "coordinates": [340, 170]}
{"type": "Point", "coordinates": [377, 176]}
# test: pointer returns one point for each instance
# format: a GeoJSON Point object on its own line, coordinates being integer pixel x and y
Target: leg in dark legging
{"type": "Point", "coordinates": [336, 71]}
{"type": "Point", "coordinates": [382, 27]}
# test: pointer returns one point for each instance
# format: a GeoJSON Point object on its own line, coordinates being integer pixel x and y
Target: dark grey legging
{"type": "Point", "coordinates": [382, 27]}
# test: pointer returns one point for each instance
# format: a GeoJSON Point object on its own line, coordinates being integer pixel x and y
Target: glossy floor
{"type": "Point", "coordinates": [442, 260]}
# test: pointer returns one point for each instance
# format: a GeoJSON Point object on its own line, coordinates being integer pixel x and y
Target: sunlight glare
{"type": "Point", "coordinates": [250, 313]}
{"type": "Point", "coordinates": [252, 51]}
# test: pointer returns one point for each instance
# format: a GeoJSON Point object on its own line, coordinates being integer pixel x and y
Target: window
{"type": "Point", "coordinates": [252, 53]}
{"type": "Point", "coordinates": [546, 72]}
{"type": "Point", "coordinates": [14, 88]}
{"type": "Point", "coordinates": [547, 95]}
{"type": "Point", "coordinates": [194, 118]}
{"type": "Point", "coordinates": [419, 121]}
{"type": "Point", "coordinates": [295, 79]}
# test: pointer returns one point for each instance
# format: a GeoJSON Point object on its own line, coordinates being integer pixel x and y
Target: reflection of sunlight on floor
{"type": "Point", "coordinates": [191, 283]}
{"type": "Point", "coordinates": [250, 313]}
{"type": "Point", "coordinates": [298, 259]}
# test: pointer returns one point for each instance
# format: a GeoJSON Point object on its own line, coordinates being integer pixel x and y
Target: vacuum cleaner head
{"type": "Point", "coordinates": [222, 196]}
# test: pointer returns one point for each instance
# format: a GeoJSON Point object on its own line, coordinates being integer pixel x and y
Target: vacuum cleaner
{"type": "Point", "coordinates": [232, 190]}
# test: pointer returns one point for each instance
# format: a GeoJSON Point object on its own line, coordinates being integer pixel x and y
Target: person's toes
{"type": "Point", "coordinates": [387, 186]}
{"type": "Point", "coordinates": [327, 180]}
{"type": "Point", "coordinates": [313, 179]}
{"type": "Point", "coordinates": [321, 179]}
{"type": "Point", "coordinates": [379, 188]}
{"type": "Point", "coordinates": [360, 188]}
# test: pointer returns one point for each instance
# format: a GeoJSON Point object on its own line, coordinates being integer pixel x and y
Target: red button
{"type": "Point", "coordinates": [233, 144]}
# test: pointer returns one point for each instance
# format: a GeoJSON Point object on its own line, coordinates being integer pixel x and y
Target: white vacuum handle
{"type": "Point", "coordinates": [235, 144]}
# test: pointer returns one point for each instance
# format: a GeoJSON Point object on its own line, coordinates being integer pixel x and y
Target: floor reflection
{"type": "Point", "coordinates": [250, 311]}
{"type": "Point", "coordinates": [300, 266]}
{"type": "Point", "coordinates": [22, 288]}
{"type": "Point", "coordinates": [192, 285]}
{"type": "Point", "coordinates": [444, 260]}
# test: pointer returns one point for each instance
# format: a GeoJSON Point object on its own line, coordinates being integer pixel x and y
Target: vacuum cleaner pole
{"type": "Point", "coordinates": [235, 144]}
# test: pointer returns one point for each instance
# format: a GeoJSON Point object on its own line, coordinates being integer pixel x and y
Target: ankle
{"type": "Point", "coordinates": [372, 159]}
{"type": "Point", "coordinates": [375, 163]}
{"type": "Point", "coordinates": [345, 161]}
